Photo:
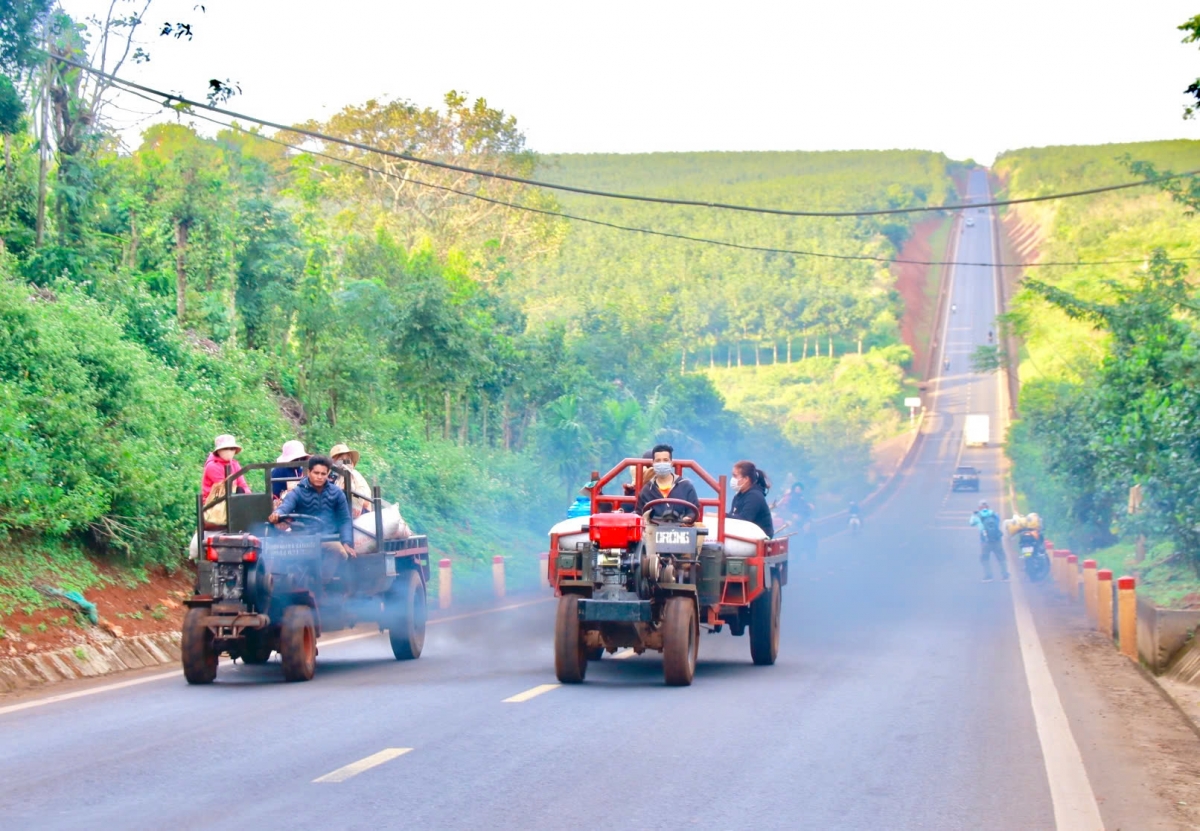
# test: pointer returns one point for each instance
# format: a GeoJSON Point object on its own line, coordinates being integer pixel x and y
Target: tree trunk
{"type": "Point", "coordinates": [789, 350]}
{"type": "Point", "coordinates": [683, 361]}
{"type": "Point", "coordinates": [133, 240]}
{"type": "Point", "coordinates": [446, 427]}
{"type": "Point", "coordinates": [43, 165]}
{"type": "Point", "coordinates": [860, 346]}
{"type": "Point", "coordinates": [739, 354]}
{"type": "Point", "coordinates": [831, 346]}
{"type": "Point", "coordinates": [728, 357]}
{"type": "Point", "coordinates": [774, 352]}
{"type": "Point", "coordinates": [7, 157]}
{"type": "Point", "coordinates": [464, 429]}
{"type": "Point", "coordinates": [505, 426]}
{"type": "Point", "coordinates": [804, 354]}
{"type": "Point", "coordinates": [711, 356]}
{"type": "Point", "coordinates": [483, 405]}
{"type": "Point", "coordinates": [757, 355]}
{"type": "Point", "coordinates": [181, 241]}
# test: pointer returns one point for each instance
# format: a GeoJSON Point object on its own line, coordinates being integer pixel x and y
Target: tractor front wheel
{"type": "Point", "coordinates": [764, 624]}
{"type": "Point", "coordinates": [406, 617]}
{"type": "Point", "coordinates": [570, 653]}
{"type": "Point", "coordinates": [298, 644]}
{"type": "Point", "coordinates": [196, 646]}
{"type": "Point", "coordinates": [681, 641]}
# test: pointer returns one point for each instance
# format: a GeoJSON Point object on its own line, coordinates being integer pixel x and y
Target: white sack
{"type": "Point", "coordinates": [739, 528]}
{"type": "Point", "coordinates": [394, 528]}
{"type": "Point", "coordinates": [569, 532]}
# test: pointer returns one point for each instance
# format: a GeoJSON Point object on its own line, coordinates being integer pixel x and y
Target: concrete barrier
{"type": "Point", "coordinates": [88, 660]}
{"type": "Point", "coordinates": [1104, 602]}
{"type": "Point", "coordinates": [445, 583]}
{"type": "Point", "coordinates": [1072, 577]}
{"type": "Point", "coordinates": [1089, 590]}
{"type": "Point", "coordinates": [498, 575]}
{"type": "Point", "coordinates": [1127, 617]}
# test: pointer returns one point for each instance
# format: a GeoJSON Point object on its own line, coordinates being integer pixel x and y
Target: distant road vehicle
{"type": "Point", "coordinates": [966, 478]}
{"type": "Point", "coordinates": [977, 430]}
{"type": "Point", "coordinates": [970, 222]}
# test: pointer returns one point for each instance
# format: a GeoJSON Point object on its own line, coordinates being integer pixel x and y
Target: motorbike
{"type": "Point", "coordinates": [1033, 556]}
{"type": "Point", "coordinates": [855, 524]}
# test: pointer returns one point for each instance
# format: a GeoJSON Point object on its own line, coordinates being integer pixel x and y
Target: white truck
{"type": "Point", "coordinates": [977, 430]}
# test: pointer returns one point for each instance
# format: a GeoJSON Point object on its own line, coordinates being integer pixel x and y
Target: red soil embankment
{"type": "Point", "coordinates": [912, 283]}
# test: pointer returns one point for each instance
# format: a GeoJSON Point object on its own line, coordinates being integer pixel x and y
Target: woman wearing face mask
{"type": "Point", "coordinates": [750, 498]}
{"type": "Point", "coordinates": [666, 485]}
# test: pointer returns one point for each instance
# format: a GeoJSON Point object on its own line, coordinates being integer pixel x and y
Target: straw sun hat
{"type": "Point", "coordinates": [343, 450]}
{"type": "Point", "coordinates": [226, 442]}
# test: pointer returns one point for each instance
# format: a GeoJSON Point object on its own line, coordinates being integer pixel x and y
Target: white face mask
{"type": "Point", "coordinates": [663, 468]}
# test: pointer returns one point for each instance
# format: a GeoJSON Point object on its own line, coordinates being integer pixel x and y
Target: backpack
{"type": "Point", "coordinates": [991, 527]}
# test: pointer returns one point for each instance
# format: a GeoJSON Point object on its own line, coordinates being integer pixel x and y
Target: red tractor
{"type": "Point", "coordinates": [646, 582]}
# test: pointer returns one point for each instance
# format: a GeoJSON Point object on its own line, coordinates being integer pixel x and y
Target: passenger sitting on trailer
{"type": "Point", "coordinates": [632, 487]}
{"type": "Point", "coordinates": [358, 490]}
{"type": "Point", "coordinates": [315, 497]}
{"type": "Point", "coordinates": [666, 485]}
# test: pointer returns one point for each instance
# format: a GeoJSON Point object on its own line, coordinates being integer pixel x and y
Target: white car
{"type": "Point", "coordinates": [970, 222]}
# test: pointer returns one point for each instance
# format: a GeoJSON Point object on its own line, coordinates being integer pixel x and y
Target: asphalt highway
{"type": "Point", "coordinates": [901, 699]}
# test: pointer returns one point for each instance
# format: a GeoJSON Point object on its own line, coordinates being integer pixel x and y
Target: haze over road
{"type": "Point", "coordinates": [901, 699]}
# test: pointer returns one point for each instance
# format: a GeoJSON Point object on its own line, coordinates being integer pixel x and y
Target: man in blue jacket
{"type": "Point", "coordinates": [990, 540]}
{"type": "Point", "coordinates": [315, 496]}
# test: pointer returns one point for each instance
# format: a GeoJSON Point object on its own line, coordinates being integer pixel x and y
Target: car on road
{"type": "Point", "coordinates": [966, 478]}
{"type": "Point", "coordinates": [970, 222]}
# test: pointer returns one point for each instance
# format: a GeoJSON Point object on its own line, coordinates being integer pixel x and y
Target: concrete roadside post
{"type": "Point", "coordinates": [444, 578]}
{"type": "Point", "coordinates": [1058, 569]}
{"type": "Point", "coordinates": [1072, 583]}
{"type": "Point", "coordinates": [498, 576]}
{"type": "Point", "coordinates": [1104, 602]}
{"type": "Point", "coordinates": [1089, 589]}
{"type": "Point", "coordinates": [1127, 616]}
{"type": "Point", "coordinates": [544, 568]}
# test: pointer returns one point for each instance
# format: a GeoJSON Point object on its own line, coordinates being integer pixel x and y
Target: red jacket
{"type": "Point", "coordinates": [214, 471]}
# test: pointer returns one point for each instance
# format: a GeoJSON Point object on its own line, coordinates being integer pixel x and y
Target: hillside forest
{"type": "Point", "coordinates": [208, 278]}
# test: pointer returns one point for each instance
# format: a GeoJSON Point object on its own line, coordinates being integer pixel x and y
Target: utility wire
{"type": "Point", "coordinates": [650, 231]}
{"type": "Point", "coordinates": [491, 174]}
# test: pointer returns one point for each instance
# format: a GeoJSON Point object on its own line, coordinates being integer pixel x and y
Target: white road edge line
{"type": "Point", "coordinates": [176, 673]}
{"type": "Point", "coordinates": [1071, 794]}
{"type": "Point", "coordinates": [530, 693]}
{"type": "Point", "coordinates": [362, 765]}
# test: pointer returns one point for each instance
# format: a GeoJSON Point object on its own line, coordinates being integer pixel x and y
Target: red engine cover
{"type": "Point", "coordinates": [616, 530]}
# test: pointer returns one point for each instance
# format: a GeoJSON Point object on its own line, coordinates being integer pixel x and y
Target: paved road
{"type": "Point", "coordinates": [900, 700]}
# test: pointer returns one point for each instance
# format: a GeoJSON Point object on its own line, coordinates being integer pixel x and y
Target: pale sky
{"type": "Point", "coordinates": [967, 78]}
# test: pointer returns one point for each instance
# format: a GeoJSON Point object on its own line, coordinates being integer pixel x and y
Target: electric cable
{"type": "Point", "coordinates": [492, 174]}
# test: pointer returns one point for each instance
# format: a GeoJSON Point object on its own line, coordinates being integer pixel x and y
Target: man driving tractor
{"type": "Point", "coordinates": [314, 497]}
{"type": "Point", "coordinates": [666, 485]}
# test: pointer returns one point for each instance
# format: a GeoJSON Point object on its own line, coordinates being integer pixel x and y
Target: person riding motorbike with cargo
{"type": "Point", "coordinates": [666, 485]}
{"type": "Point", "coordinates": [358, 490]}
{"type": "Point", "coordinates": [991, 538]}
{"type": "Point", "coordinates": [315, 497]}
{"type": "Point", "coordinates": [750, 486]}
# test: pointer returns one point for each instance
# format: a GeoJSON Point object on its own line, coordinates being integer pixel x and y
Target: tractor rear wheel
{"type": "Point", "coordinates": [298, 644]}
{"type": "Point", "coordinates": [681, 641]}
{"type": "Point", "coordinates": [764, 624]}
{"type": "Point", "coordinates": [257, 648]}
{"type": "Point", "coordinates": [570, 654]}
{"type": "Point", "coordinates": [196, 647]}
{"type": "Point", "coordinates": [406, 616]}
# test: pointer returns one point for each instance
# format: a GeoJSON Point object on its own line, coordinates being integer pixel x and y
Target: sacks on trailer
{"type": "Point", "coordinates": [738, 528]}
{"type": "Point", "coordinates": [570, 531]}
{"type": "Point", "coordinates": [394, 528]}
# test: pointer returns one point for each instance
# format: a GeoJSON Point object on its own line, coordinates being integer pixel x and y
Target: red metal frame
{"type": "Point", "coordinates": [640, 465]}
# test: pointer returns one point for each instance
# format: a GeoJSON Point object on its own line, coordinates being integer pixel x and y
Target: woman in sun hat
{"type": "Point", "coordinates": [347, 458]}
{"type": "Point", "coordinates": [292, 457]}
{"type": "Point", "coordinates": [225, 447]}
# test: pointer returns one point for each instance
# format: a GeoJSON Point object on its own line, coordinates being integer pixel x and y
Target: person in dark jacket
{"type": "Point", "coordinates": [666, 485]}
{"type": "Point", "coordinates": [750, 500]}
{"type": "Point", "coordinates": [314, 496]}
{"type": "Point", "coordinates": [291, 470]}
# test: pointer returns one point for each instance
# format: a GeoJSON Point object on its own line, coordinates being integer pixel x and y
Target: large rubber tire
{"type": "Point", "coordinates": [198, 654]}
{"type": "Point", "coordinates": [298, 644]}
{"type": "Point", "coordinates": [257, 649]}
{"type": "Point", "coordinates": [407, 615]}
{"type": "Point", "coordinates": [570, 655]}
{"type": "Point", "coordinates": [764, 624]}
{"type": "Point", "coordinates": [681, 641]}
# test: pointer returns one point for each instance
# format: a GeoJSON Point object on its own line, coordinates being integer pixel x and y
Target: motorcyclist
{"type": "Point", "coordinates": [855, 515]}
{"type": "Point", "coordinates": [989, 335]}
{"type": "Point", "coordinates": [953, 308]}
{"type": "Point", "coordinates": [990, 540]}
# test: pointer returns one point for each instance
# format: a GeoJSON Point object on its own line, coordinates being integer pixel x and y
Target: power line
{"type": "Point", "coordinates": [491, 174]}
{"type": "Point", "coordinates": [651, 231]}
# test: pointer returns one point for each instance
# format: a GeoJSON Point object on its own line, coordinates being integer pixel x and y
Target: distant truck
{"type": "Point", "coordinates": [977, 430]}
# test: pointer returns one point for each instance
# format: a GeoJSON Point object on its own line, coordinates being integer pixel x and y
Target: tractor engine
{"type": "Point", "coordinates": [615, 538]}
